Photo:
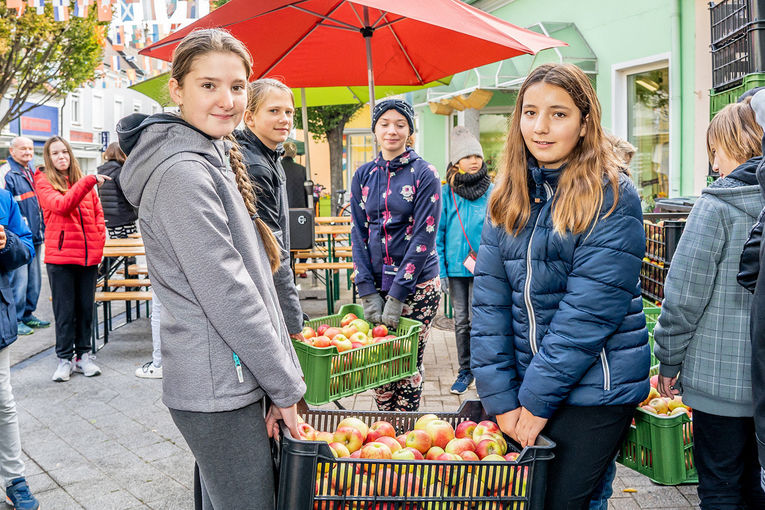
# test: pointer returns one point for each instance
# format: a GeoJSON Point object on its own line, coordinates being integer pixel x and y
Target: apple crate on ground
{"type": "Point", "coordinates": [331, 374]}
{"type": "Point", "coordinates": [659, 444]}
{"type": "Point", "coordinates": [371, 460]}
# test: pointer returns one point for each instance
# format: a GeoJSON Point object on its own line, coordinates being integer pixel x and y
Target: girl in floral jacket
{"type": "Point", "coordinates": [396, 205]}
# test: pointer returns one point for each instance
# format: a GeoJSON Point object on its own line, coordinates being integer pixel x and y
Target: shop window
{"type": "Point", "coordinates": [648, 130]}
{"type": "Point", "coordinates": [76, 109]}
{"type": "Point", "coordinates": [493, 132]}
{"type": "Point", "coordinates": [358, 149]}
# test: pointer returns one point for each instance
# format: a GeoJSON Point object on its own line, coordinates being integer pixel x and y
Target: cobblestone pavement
{"type": "Point", "coordinates": [108, 442]}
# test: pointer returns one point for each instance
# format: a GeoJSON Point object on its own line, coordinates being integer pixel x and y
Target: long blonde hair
{"type": "Point", "coordinates": [213, 40]}
{"type": "Point", "coordinates": [56, 178]}
{"type": "Point", "coordinates": [257, 90]}
{"type": "Point", "coordinates": [735, 130]}
{"type": "Point", "coordinates": [579, 197]}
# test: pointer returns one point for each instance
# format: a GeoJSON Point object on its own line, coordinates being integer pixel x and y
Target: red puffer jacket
{"type": "Point", "coordinates": [74, 222]}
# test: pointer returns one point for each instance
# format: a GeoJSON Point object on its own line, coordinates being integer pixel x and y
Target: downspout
{"type": "Point", "coordinates": [676, 102]}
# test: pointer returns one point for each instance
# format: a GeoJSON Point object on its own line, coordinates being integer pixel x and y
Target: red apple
{"type": "Point", "coordinates": [322, 342]}
{"type": "Point", "coordinates": [654, 381]}
{"type": "Point", "coordinates": [419, 440]}
{"type": "Point", "coordinates": [485, 427]}
{"type": "Point", "coordinates": [512, 456]}
{"type": "Point", "coordinates": [417, 454]}
{"type": "Point", "coordinates": [356, 454]}
{"type": "Point", "coordinates": [434, 453]}
{"type": "Point", "coordinates": [447, 474]}
{"type": "Point", "coordinates": [465, 429]}
{"type": "Point", "coordinates": [375, 451]}
{"type": "Point", "coordinates": [342, 343]}
{"type": "Point", "coordinates": [469, 487]}
{"type": "Point", "coordinates": [499, 438]}
{"type": "Point", "coordinates": [390, 442]}
{"type": "Point", "coordinates": [459, 445]}
{"type": "Point", "coordinates": [347, 319]}
{"type": "Point", "coordinates": [342, 476]}
{"type": "Point", "coordinates": [359, 337]}
{"type": "Point", "coordinates": [350, 437]}
{"type": "Point", "coordinates": [385, 482]}
{"type": "Point", "coordinates": [355, 423]}
{"type": "Point", "coordinates": [331, 332]}
{"type": "Point", "coordinates": [469, 455]}
{"type": "Point", "coordinates": [356, 345]}
{"type": "Point", "coordinates": [423, 420]}
{"type": "Point", "coordinates": [385, 428]}
{"type": "Point", "coordinates": [327, 437]}
{"type": "Point", "coordinates": [308, 332]}
{"type": "Point", "coordinates": [380, 331]}
{"type": "Point", "coordinates": [349, 330]}
{"type": "Point", "coordinates": [487, 447]}
{"type": "Point", "coordinates": [361, 325]}
{"type": "Point", "coordinates": [401, 440]}
{"type": "Point", "coordinates": [339, 449]}
{"type": "Point", "coordinates": [321, 329]}
{"type": "Point", "coordinates": [440, 432]}
{"type": "Point", "coordinates": [306, 432]}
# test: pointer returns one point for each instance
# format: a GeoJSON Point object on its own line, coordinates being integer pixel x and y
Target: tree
{"type": "Point", "coordinates": [39, 55]}
{"type": "Point", "coordinates": [327, 123]}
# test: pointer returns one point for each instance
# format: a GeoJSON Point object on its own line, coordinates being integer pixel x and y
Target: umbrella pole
{"type": "Point", "coordinates": [367, 32]}
{"type": "Point", "coordinates": [304, 110]}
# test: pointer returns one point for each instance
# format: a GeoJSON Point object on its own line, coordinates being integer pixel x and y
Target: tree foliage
{"type": "Point", "coordinates": [39, 55]}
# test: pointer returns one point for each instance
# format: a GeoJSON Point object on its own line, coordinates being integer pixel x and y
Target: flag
{"type": "Point", "coordinates": [61, 13]}
{"type": "Point", "coordinates": [131, 75]}
{"type": "Point", "coordinates": [104, 10]}
{"type": "Point", "coordinates": [119, 38]}
{"type": "Point", "coordinates": [81, 8]}
{"type": "Point", "coordinates": [115, 62]}
{"type": "Point", "coordinates": [19, 5]}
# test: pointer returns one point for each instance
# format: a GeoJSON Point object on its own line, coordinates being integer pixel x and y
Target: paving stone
{"type": "Point", "coordinates": [658, 496]}
{"type": "Point", "coordinates": [76, 473]}
{"type": "Point", "coordinates": [57, 499]}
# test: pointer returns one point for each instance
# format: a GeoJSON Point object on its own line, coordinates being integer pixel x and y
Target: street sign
{"type": "Point", "coordinates": [104, 140]}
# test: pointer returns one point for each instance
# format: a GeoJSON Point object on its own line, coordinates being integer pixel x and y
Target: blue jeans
{"type": "Point", "coordinates": [26, 282]}
{"type": "Point", "coordinates": [604, 489]}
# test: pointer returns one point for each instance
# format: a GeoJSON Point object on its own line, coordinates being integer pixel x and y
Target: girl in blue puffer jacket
{"type": "Point", "coordinates": [559, 344]}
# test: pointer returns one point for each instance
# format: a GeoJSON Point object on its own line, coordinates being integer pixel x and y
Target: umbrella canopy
{"type": "Point", "coordinates": [156, 89]}
{"type": "Point", "coordinates": [321, 43]}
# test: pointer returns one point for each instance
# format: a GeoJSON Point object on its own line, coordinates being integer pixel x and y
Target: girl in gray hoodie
{"type": "Point", "coordinates": [225, 346]}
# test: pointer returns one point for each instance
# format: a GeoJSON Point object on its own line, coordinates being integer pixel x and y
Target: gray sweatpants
{"type": "Point", "coordinates": [234, 457]}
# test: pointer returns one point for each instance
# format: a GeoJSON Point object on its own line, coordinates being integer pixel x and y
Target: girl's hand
{"type": "Point", "coordinates": [102, 178]}
{"type": "Point", "coordinates": [666, 386]}
{"type": "Point", "coordinates": [528, 428]}
{"type": "Point", "coordinates": [507, 421]}
{"type": "Point", "coordinates": [299, 337]}
{"type": "Point", "coordinates": [287, 414]}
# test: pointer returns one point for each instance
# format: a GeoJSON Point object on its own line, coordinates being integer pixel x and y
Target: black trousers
{"type": "Point", "coordinates": [587, 440]}
{"type": "Point", "coordinates": [725, 452]}
{"type": "Point", "coordinates": [73, 289]}
{"type": "Point", "coordinates": [461, 292]}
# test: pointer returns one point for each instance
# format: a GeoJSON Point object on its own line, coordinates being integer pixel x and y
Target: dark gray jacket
{"type": "Point", "coordinates": [267, 175]}
{"type": "Point", "coordinates": [209, 269]}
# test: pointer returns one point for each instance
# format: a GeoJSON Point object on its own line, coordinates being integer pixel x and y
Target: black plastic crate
{"type": "Point", "coordinates": [738, 57]}
{"type": "Point", "coordinates": [662, 233]}
{"type": "Point", "coordinates": [303, 465]}
{"type": "Point", "coordinates": [731, 17]}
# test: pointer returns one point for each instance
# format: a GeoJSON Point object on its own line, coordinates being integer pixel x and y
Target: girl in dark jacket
{"type": "Point", "coordinates": [119, 215]}
{"type": "Point", "coordinates": [559, 344]}
{"type": "Point", "coordinates": [395, 207]}
{"type": "Point", "coordinates": [74, 243]}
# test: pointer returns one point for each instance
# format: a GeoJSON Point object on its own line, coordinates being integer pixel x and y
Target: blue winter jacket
{"type": "Point", "coordinates": [451, 243]}
{"type": "Point", "coordinates": [559, 320]}
{"type": "Point", "coordinates": [18, 251]}
{"type": "Point", "coordinates": [22, 188]}
{"type": "Point", "coordinates": [405, 193]}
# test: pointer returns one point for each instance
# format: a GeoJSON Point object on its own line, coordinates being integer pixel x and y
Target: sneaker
{"type": "Point", "coordinates": [464, 381]}
{"type": "Point", "coordinates": [34, 322]}
{"type": "Point", "coordinates": [19, 496]}
{"type": "Point", "coordinates": [149, 371]}
{"type": "Point", "coordinates": [63, 370]}
{"type": "Point", "coordinates": [84, 365]}
{"type": "Point", "coordinates": [22, 329]}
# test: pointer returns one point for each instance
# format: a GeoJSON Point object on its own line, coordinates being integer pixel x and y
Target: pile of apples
{"type": "Point", "coordinates": [353, 333]}
{"type": "Point", "coordinates": [432, 439]}
{"type": "Point", "coordinates": [663, 406]}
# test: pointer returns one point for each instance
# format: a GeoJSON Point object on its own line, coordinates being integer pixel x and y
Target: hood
{"type": "Point", "coordinates": [400, 161]}
{"type": "Point", "coordinates": [740, 188]}
{"type": "Point", "coordinates": [761, 174]}
{"type": "Point", "coordinates": [148, 141]}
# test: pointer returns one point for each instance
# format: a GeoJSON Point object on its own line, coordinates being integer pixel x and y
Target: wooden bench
{"type": "Point", "coordinates": [322, 254]}
{"type": "Point", "coordinates": [302, 267]}
{"type": "Point", "coordinates": [106, 299]}
{"type": "Point", "coordinates": [332, 285]}
{"type": "Point", "coordinates": [137, 269]}
{"type": "Point", "coordinates": [129, 282]}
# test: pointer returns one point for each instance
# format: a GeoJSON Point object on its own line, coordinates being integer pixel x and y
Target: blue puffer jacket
{"type": "Point", "coordinates": [21, 185]}
{"type": "Point", "coordinates": [451, 244]}
{"type": "Point", "coordinates": [559, 320]}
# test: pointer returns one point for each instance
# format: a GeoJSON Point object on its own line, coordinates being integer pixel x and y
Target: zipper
{"type": "Point", "coordinates": [527, 287]}
{"type": "Point", "coordinates": [84, 237]}
{"type": "Point", "coordinates": [61, 240]}
{"type": "Point", "coordinates": [606, 370]}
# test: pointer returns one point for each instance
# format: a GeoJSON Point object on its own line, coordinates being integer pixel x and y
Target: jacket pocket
{"type": "Point", "coordinates": [8, 327]}
{"type": "Point", "coordinates": [60, 240]}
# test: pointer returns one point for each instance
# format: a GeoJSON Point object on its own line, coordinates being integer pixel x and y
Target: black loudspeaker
{"type": "Point", "coordinates": [301, 229]}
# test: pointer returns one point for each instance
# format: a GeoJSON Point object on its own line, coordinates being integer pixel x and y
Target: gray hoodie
{"type": "Point", "coordinates": [703, 329]}
{"type": "Point", "coordinates": [210, 270]}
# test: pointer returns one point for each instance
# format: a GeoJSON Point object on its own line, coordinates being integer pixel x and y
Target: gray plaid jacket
{"type": "Point", "coordinates": [703, 330]}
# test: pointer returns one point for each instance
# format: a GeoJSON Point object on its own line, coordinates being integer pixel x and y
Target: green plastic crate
{"type": "Point", "coordinates": [717, 101]}
{"type": "Point", "coordinates": [330, 375]}
{"type": "Point", "coordinates": [652, 313]}
{"type": "Point", "coordinates": [660, 448]}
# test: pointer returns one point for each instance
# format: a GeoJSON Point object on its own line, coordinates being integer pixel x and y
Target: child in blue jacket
{"type": "Point", "coordinates": [559, 344]}
{"type": "Point", "coordinates": [395, 207]}
{"type": "Point", "coordinates": [464, 197]}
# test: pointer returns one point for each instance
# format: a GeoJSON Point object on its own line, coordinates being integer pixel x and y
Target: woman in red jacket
{"type": "Point", "coordinates": [74, 243]}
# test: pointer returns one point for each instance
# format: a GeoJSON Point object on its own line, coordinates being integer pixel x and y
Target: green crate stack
{"type": "Point", "coordinates": [652, 313]}
{"type": "Point", "coordinates": [718, 100]}
{"type": "Point", "coordinates": [331, 375]}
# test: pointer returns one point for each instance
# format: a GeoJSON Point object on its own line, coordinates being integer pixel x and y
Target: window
{"type": "Point", "coordinates": [358, 150]}
{"type": "Point", "coordinates": [98, 111]}
{"type": "Point", "coordinates": [136, 107]}
{"type": "Point", "coordinates": [76, 109]}
{"type": "Point", "coordinates": [493, 131]}
{"type": "Point", "coordinates": [118, 110]}
{"type": "Point", "coordinates": [154, 108]}
{"type": "Point", "coordinates": [648, 130]}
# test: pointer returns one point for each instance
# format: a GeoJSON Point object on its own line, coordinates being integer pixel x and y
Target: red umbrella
{"type": "Point", "coordinates": [322, 43]}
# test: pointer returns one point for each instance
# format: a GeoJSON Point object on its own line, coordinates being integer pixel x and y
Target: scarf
{"type": "Point", "coordinates": [471, 186]}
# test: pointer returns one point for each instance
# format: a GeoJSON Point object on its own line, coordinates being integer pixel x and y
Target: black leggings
{"type": "Point", "coordinates": [73, 289]}
{"type": "Point", "coordinates": [587, 440]}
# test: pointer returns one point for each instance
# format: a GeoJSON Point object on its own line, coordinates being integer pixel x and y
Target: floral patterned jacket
{"type": "Point", "coordinates": [396, 206]}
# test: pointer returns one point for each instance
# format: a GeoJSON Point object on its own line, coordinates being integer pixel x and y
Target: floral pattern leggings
{"type": "Point", "coordinates": [404, 394]}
